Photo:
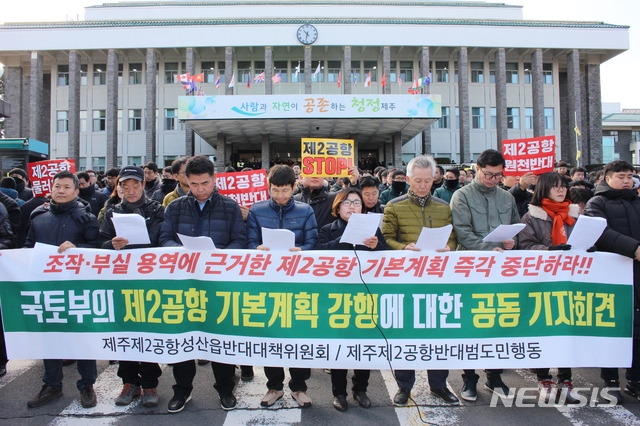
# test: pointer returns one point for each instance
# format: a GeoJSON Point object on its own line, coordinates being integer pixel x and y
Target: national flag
{"type": "Point", "coordinates": [259, 78]}
{"type": "Point", "coordinates": [317, 73]}
{"type": "Point", "coordinates": [427, 79]}
{"type": "Point", "coordinates": [191, 88]}
{"type": "Point", "coordinates": [217, 82]}
{"type": "Point", "coordinates": [384, 79]}
{"type": "Point", "coordinates": [276, 78]}
{"type": "Point", "coordinates": [399, 81]}
{"type": "Point", "coordinates": [577, 130]}
{"type": "Point", "coordinates": [198, 78]}
{"type": "Point", "coordinates": [339, 80]}
{"type": "Point", "coordinates": [184, 78]}
{"type": "Point", "coordinates": [367, 81]}
{"type": "Point", "coordinates": [415, 85]}
{"type": "Point", "coordinates": [232, 83]}
{"type": "Point", "coordinates": [248, 83]}
{"type": "Point", "coordinates": [297, 70]}
{"type": "Point", "coordinates": [578, 155]}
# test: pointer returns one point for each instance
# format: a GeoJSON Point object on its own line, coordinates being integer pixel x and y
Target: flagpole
{"type": "Point", "coordinates": [575, 119]}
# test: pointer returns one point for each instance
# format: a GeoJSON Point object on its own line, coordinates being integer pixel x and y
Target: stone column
{"type": "Point", "coordinates": [228, 71]}
{"type": "Point", "coordinates": [74, 109]}
{"type": "Point", "coordinates": [346, 76]}
{"type": "Point", "coordinates": [386, 70]}
{"type": "Point", "coordinates": [623, 146]}
{"type": "Point", "coordinates": [574, 110]}
{"type": "Point", "coordinates": [35, 100]}
{"type": "Point", "coordinates": [397, 150]}
{"type": "Point", "coordinates": [221, 151]}
{"type": "Point", "coordinates": [501, 97]}
{"type": "Point", "coordinates": [112, 110]}
{"type": "Point", "coordinates": [537, 89]}
{"type": "Point", "coordinates": [26, 106]}
{"type": "Point", "coordinates": [266, 150]}
{"type": "Point", "coordinates": [424, 68]}
{"type": "Point", "coordinates": [388, 154]}
{"type": "Point", "coordinates": [189, 134]}
{"type": "Point", "coordinates": [594, 114]}
{"type": "Point", "coordinates": [463, 102]}
{"type": "Point", "coordinates": [426, 141]}
{"type": "Point", "coordinates": [268, 70]}
{"type": "Point", "coordinates": [307, 70]}
{"type": "Point", "coordinates": [150, 112]}
{"type": "Point", "coordinates": [13, 95]}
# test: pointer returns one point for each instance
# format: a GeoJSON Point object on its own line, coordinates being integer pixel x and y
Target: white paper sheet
{"type": "Point", "coordinates": [131, 227]}
{"type": "Point", "coordinates": [359, 228]}
{"type": "Point", "coordinates": [278, 239]}
{"type": "Point", "coordinates": [196, 243]}
{"type": "Point", "coordinates": [432, 239]}
{"type": "Point", "coordinates": [586, 232]}
{"type": "Point", "coordinates": [379, 215]}
{"type": "Point", "coordinates": [504, 233]}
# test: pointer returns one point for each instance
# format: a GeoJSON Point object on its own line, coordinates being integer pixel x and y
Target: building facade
{"type": "Point", "coordinates": [105, 90]}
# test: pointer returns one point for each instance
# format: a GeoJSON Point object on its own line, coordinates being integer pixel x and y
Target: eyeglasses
{"type": "Point", "coordinates": [559, 188]}
{"type": "Point", "coordinates": [492, 175]}
{"type": "Point", "coordinates": [355, 203]}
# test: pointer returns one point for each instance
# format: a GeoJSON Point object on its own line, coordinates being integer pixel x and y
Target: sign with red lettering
{"type": "Point", "coordinates": [327, 157]}
{"type": "Point", "coordinates": [41, 174]}
{"type": "Point", "coordinates": [245, 188]}
{"type": "Point", "coordinates": [529, 155]}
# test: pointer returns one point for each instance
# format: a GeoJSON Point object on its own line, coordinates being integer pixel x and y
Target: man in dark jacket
{"type": "Point", "coordinates": [13, 210]}
{"type": "Point", "coordinates": [22, 180]}
{"type": "Point", "coordinates": [203, 212]}
{"type": "Point", "coordinates": [282, 212]}
{"type": "Point", "coordinates": [168, 185]}
{"type": "Point", "coordinates": [152, 181]}
{"type": "Point", "coordinates": [397, 189]}
{"type": "Point", "coordinates": [110, 180]}
{"type": "Point", "coordinates": [617, 202]}
{"type": "Point", "coordinates": [370, 195]}
{"type": "Point", "coordinates": [64, 223]}
{"type": "Point", "coordinates": [96, 199]}
{"type": "Point", "coordinates": [135, 375]}
{"type": "Point", "coordinates": [7, 241]}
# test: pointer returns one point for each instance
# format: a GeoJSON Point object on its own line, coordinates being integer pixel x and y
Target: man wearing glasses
{"type": "Point", "coordinates": [477, 209]}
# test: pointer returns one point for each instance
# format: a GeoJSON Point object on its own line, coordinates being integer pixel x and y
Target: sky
{"type": "Point", "coordinates": [618, 75]}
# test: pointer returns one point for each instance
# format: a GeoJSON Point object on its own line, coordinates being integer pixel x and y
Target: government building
{"type": "Point", "coordinates": [152, 81]}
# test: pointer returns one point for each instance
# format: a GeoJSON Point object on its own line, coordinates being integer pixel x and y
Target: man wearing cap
{"type": "Point", "coordinates": [203, 212]}
{"type": "Point", "coordinates": [137, 377]}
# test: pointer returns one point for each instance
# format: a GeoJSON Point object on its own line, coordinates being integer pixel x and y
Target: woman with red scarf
{"type": "Point", "coordinates": [549, 221]}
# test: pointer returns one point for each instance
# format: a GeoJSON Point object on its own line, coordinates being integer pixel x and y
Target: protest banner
{"type": "Point", "coordinates": [535, 155]}
{"type": "Point", "coordinates": [41, 174]}
{"type": "Point", "coordinates": [327, 157]}
{"type": "Point", "coordinates": [312, 309]}
{"type": "Point", "coordinates": [245, 188]}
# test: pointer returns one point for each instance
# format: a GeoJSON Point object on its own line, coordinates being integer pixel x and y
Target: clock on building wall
{"type": "Point", "coordinates": [307, 34]}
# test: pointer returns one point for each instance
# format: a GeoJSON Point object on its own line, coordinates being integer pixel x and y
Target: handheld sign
{"type": "Point", "coordinates": [327, 157]}
{"type": "Point", "coordinates": [245, 188]}
{"type": "Point", "coordinates": [41, 174]}
{"type": "Point", "coordinates": [529, 155]}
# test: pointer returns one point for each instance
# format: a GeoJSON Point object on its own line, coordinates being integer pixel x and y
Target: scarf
{"type": "Point", "coordinates": [422, 201]}
{"type": "Point", "coordinates": [559, 212]}
{"type": "Point", "coordinates": [137, 206]}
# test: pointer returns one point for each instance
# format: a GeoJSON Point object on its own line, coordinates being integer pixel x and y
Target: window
{"type": "Point", "coordinates": [221, 66]}
{"type": "Point", "coordinates": [83, 163]}
{"type": "Point", "coordinates": [170, 118]}
{"type": "Point", "coordinates": [443, 123]}
{"type": "Point", "coordinates": [119, 126]}
{"type": "Point", "coordinates": [372, 67]}
{"type": "Point", "coordinates": [297, 71]}
{"type": "Point", "coordinates": [62, 122]}
{"type": "Point", "coordinates": [281, 67]}
{"type": "Point", "coordinates": [98, 164]}
{"type": "Point", "coordinates": [477, 117]}
{"type": "Point", "coordinates": [99, 120]}
{"type": "Point", "coordinates": [494, 117]}
{"type": "Point", "coordinates": [136, 161]}
{"type": "Point", "coordinates": [83, 121]}
{"type": "Point", "coordinates": [528, 73]}
{"type": "Point", "coordinates": [135, 73]}
{"type": "Point", "coordinates": [170, 72]}
{"type": "Point", "coordinates": [548, 119]}
{"type": "Point", "coordinates": [513, 118]}
{"type": "Point", "coordinates": [492, 72]}
{"type": "Point", "coordinates": [63, 75]}
{"type": "Point", "coordinates": [333, 70]}
{"type": "Point", "coordinates": [135, 120]}
{"type": "Point", "coordinates": [512, 72]}
{"type": "Point", "coordinates": [99, 74]}
{"type": "Point", "coordinates": [83, 74]}
{"type": "Point", "coordinates": [209, 70]}
{"type": "Point", "coordinates": [528, 118]}
{"type": "Point", "coordinates": [457, 117]}
{"type": "Point", "coordinates": [442, 72]}
{"type": "Point", "coordinates": [406, 72]}
{"type": "Point", "coordinates": [477, 72]}
{"type": "Point", "coordinates": [119, 162]}
{"type": "Point", "coordinates": [120, 73]}
{"type": "Point", "coordinates": [455, 71]}
{"type": "Point", "coordinates": [547, 73]}
{"type": "Point", "coordinates": [244, 71]}
{"type": "Point", "coordinates": [355, 72]}
{"type": "Point", "coordinates": [635, 135]}
{"type": "Point", "coordinates": [258, 68]}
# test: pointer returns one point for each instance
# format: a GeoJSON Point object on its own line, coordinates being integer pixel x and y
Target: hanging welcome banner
{"type": "Point", "coordinates": [416, 311]}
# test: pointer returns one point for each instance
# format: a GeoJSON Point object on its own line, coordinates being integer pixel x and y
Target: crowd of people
{"type": "Point", "coordinates": [183, 199]}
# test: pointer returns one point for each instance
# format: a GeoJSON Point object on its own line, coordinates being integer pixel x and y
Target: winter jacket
{"type": "Point", "coordinates": [150, 189]}
{"type": "Point", "coordinates": [173, 195]}
{"type": "Point", "coordinates": [445, 194]}
{"type": "Point", "coordinates": [330, 234]}
{"type": "Point", "coordinates": [96, 199]}
{"type": "Point", "coordinates": [390, 194]}
{"type": "Point", "coordinates": [13, 194]}
{"type": "Point", "coordinates": [477, 210]}
{"type": "Point", "coordinates": [320, 201]}
{"type": "Point", "coordinates": [522, 197]}
{"type": "Point", "coordinates": [13, 209]}
{"type": "Point", "coordinates": [167, 186]}
{"type": "Point", "coordinates": [111, 203]}
{"type": "Point", "coordinates": [295, 216]}
{"type": "Point", "coordinates": [25, 213]}
{"type": "Point", "coordinates": [7, 237]}
{"type": "Point", "coordinates": [153, 218]}
{"type": "Point", "coordinates": [537, 234]}
{"type": "Point", "coordinates": [220, 220]}
{"type": "Point", "coordinates": [56, 223]}
{"type": "Point", "coordinates": [375, 209]}
{"type": "Point", "coordinates": [404, 219]}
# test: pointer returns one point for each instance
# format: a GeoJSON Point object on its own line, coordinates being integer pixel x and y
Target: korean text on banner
{"type": "Point", "coordinates": [41, 174]}
{"type": "Point", "coordinates": [245, 188]}
{"type": "Point", "coordinates": [529, 155]}
{"type": "Point", "coordinates": [327, 157]}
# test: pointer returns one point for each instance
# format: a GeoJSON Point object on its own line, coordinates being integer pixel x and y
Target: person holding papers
{"type": "Point", "coordinates": [283, 212]}
{"type": "Point", "coordinates": [137, 377]}
{"type": "Point", "coordinates": [549, 221]}
{"type": "Point", "coordinates": [347, 203]}
{"type": "Point", "coordinates": [477, 209]}
{"type": "Point", "coordinates": [403, 220]}
{"type": "Point", "coordinates": [203, 212]}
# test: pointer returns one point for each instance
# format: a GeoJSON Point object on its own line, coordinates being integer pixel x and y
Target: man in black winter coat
{"type": "Point", "coordinates": [96, 199]}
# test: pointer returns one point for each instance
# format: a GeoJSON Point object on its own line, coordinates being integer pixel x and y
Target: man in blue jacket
{"type": "Point", "coordinates": [203, 212]}
{"type": "Point", "coordinates": [283, 212]}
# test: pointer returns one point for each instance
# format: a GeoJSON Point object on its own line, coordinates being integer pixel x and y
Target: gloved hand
{"type": "Point", "coordinates": [592, 249]}
{"type": "Point", "coordinates": [560, 247]}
